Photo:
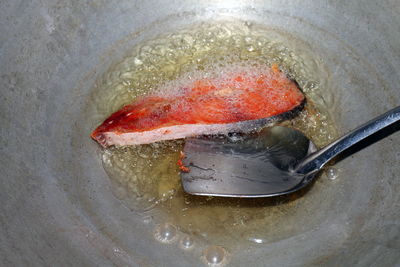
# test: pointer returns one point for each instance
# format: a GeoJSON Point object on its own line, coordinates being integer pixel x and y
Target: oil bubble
{"type": "Point", "coordinates": [332, 173]}
{"type": "Point", "coordinates": [215, 256]}
{"type": "Point", "coordinates": [165, 233]}
{"type": "Point", "coordinates": [186, 242]}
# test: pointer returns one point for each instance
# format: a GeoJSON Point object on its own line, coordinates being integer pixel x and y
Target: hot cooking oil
{"type": "Point", "coordinates": [146, 177]}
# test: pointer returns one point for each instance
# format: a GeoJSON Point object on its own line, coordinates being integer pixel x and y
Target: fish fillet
{"type": "Point", "coordinates": [235, 102]}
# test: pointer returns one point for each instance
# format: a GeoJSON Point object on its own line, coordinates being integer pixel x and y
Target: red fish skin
{"type": "Point", "coordinates": [207, 106]}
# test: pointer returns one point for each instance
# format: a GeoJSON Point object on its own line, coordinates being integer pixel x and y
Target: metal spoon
{"type": "Point", "coordinates": [273, 162]}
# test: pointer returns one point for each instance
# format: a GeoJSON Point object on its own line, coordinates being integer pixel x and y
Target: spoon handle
{"type": "Point", "coordinates": [315, 161]}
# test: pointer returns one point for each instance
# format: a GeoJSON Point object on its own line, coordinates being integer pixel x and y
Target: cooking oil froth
{"type": "Point", "coordinates": [146, 177]}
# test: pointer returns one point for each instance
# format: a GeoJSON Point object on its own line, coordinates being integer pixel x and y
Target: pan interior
{"type": "Point", "coordinates": [56, 190]}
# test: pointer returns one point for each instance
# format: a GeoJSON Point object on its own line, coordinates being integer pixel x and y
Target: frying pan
{"type": "Point", "coordinates": [57, 208]}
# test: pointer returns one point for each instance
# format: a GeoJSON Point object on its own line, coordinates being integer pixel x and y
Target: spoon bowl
{"type": "Point", "coordinates": [256, 165]}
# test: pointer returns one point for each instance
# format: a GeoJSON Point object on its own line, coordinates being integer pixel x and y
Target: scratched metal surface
{"type": "Point", "coordinates": [56, 206]}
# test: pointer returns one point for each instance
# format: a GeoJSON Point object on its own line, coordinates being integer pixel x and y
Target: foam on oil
{"type": "Point", "coordinates": [146, 177]}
